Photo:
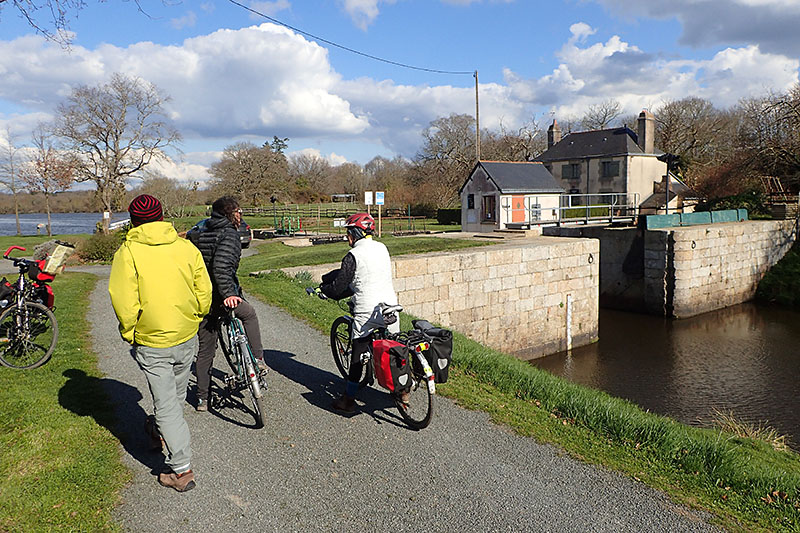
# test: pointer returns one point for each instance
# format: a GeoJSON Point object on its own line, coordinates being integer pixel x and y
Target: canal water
{"type": "Point", "coordinates": [62, 223]}
{"type": "Point", "coordinates": [743, 359]}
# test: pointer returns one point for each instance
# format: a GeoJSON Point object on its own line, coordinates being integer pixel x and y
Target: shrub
{"type": "Point", "coordinates": [449, 216]}
{"type": "Point", "coordinates": [423, 210]}
{"type": "Point", "coordinates": [100, 247]}
{"type": "Point", "coordinates": [753, 201]}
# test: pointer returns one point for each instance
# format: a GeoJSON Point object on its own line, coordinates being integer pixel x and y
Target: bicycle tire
{"type": "Point", "coordinates": [31, 345]}
{"type": "Point", "coordinates": [260, 409]}
{"type": "Point", "coordinates": [418, 412]}
{"type": "Point", "coordinates": [342, 344]}
{"type": "Point", "coordinates": [227, 349]}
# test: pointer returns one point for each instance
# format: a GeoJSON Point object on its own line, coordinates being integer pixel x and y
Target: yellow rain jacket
{"type": "Point", "coordinates": [159, 286]}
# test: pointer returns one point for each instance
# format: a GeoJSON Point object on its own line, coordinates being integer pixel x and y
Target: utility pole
{"type": "Point", "coordinates": [477, 123]}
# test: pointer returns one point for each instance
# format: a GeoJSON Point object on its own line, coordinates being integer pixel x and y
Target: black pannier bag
{"type": "Point", "coordinates": [440, 354]}
{"type": "Point", "coordinates": [392, 367]}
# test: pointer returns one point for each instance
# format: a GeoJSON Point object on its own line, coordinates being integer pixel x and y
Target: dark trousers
{"type": "Point", "coordinates": [364, 344]}
{"type": "Point", "coordinates": [207, 335]}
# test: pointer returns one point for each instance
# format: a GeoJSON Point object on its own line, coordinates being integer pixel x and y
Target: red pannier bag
{"type": "Point", "coordinates": [36, 272]}
{"type": "Point", "coordinates": [392, 367]}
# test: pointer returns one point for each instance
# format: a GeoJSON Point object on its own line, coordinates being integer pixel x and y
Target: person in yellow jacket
{"type": "Point", "coordinates": [160, 290]}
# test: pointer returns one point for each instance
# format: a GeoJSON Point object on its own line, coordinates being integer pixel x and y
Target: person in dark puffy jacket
{"type": "Point", "coordinates": [217, 239]}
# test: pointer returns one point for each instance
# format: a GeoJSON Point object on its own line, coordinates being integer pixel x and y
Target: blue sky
{"type": "Point", "coordinates": [235, 76]}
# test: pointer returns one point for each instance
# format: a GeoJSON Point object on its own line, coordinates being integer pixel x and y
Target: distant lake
{"type": "Point", "coordinates": [62, 223]}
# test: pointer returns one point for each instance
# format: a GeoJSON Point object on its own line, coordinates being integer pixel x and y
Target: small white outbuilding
{"type": "Point", "coordinates": [509, 195]}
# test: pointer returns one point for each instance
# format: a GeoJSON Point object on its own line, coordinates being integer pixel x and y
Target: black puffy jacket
{"type": "Point", "coordinates": [218, 241]}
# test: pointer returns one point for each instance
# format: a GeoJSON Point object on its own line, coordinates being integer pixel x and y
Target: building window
{"type": "Point", "coordinates": [609, 169]}
{"type": "Point", "coordinates": [470, 201]}
{"type": "Point", "coordinates": [536, 211]}
{"type": "Point", "coordinates": [489, 208]}
{"type": "Point", "coordinates": [571, 171]}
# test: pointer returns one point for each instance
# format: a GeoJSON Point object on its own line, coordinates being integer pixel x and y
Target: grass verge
{"type": "Point", "coordinates": [745, 483]}
{"type": "Point", "coordinates": [278, 255]}
{"type": "Point", "coordinates": [60, 467]}
{"type": "Point", "coordinates": [781, 284]}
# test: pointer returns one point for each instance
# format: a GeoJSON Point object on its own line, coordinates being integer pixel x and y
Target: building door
{"type": "Point", "coordinates": [518, 209]}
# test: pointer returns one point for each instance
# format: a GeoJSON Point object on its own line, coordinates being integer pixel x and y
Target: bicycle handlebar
{"type": "Point", "coordinates": [12, 248]}
{"type": "Point", "coordinates": [316, 291]}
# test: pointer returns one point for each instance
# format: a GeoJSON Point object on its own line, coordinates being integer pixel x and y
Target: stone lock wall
{"type": "Point", "coordinates": [695, 269]}
{"type": "Point", "coordinates": [535, 296]}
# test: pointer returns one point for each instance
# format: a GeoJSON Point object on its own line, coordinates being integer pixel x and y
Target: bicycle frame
{"type": "Point", "coordinates": [381, 332]}
{"type": "Point", "coordinates": [245, 366]}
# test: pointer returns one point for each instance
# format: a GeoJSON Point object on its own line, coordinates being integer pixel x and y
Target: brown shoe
{"type": "Point", "coordinates": [180, 482]}
{"type": "Point", "coordinates": [405, 397]}
{"type": "Point", "coordinates": [344, 404]}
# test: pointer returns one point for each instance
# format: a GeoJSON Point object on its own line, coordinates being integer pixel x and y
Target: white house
{"type": "Point", "coordinates": [508, 195]}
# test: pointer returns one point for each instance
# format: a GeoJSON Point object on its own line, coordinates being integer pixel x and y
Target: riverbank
{"type": "Point", "coordinates": [744, 482]}
{"type": "Point", "coordinates": [781, 285]}
{"type": "Point", "coordinates": [60, 466]}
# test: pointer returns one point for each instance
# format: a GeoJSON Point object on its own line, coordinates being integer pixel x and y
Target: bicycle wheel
{"type": "Point", "coordinates": [227, 349]}
{"type": "Point", "coordinates": [259, 408]}
{"type": "Point", "coordinates": [28, 335]}
{"type": "Point", "coordinates": [418, 410]}
{"type": "Point", "coordinates": [342, 344]}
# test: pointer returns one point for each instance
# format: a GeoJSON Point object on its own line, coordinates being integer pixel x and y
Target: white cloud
{"type": "Point", "coordinates": [184, 171]}
{"type": "Point", "coordinates": [364, 12]}
{"type": "Point", "coordinates": [260, 81]}
{"type": "Point", "coordinates": [269, 8]}
{"type": "Point", "coordinates": [333, 158]}
{"type": "Point", "coordinates": [186, 21]}
{"type": "Point", "coordinates": [616, 69]}
{"type": "Point", "coordinates": [770, 24]}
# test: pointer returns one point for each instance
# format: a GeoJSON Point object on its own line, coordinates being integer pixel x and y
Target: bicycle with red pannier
{"type": "Point", "coordinates": [405, 363]}
{"type": "Point", "coordinates": [28, 327]}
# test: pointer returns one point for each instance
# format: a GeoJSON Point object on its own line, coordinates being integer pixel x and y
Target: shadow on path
{"type": "Point", "coordinates": [87, 395]}
{"type": "Point", "coordinates": [323, 387]}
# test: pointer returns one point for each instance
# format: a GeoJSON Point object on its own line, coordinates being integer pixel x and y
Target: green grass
{"type": "Point", "coordinates": [60, 467]}
{"type": "Point", "coordinates": [781, 284]}
{"type": "Point", "coordinates": [310, 226]}
{"type": "Point", "coordinates": [275, 254]}
{"type": "Point", "coordinates": [30, 241]}
{"type": "Point", "coordinates": [745, 483]}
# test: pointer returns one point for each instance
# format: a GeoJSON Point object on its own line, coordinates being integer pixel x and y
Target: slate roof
{"type": "Point", "coordinates": [518, 177]}
{"type": "Point", "coordinates": [596, 143]}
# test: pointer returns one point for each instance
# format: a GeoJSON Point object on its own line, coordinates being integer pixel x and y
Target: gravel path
{"type": "Point", "coordinates": [313, 470]}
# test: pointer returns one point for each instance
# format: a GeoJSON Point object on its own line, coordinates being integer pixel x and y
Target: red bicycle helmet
{"type": "Point", "coordinates": [362, 221]}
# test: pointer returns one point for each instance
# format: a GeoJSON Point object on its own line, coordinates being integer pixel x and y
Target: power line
{"type": "Point", "coordinates": [276, 21]}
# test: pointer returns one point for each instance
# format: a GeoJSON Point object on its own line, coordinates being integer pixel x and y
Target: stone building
{"type": "Point", "coordinates": [615, 160]}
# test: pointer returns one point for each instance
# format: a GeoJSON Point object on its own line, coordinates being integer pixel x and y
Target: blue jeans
{"type": "Point", "coordinates": [167, 371]}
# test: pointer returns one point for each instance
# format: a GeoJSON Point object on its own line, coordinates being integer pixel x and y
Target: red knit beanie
{"type": "Point", "coordinates": [145, 208]}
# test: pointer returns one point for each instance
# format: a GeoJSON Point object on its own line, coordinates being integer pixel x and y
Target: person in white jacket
{"type": "Point", "coordinates": [366, 276]}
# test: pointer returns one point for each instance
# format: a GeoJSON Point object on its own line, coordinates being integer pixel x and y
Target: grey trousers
{"type": "Point", "coordinates": [167, 371]}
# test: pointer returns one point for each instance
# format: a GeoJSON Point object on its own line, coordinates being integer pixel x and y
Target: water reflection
{"type": "Point", "coordinates": [744, 359]}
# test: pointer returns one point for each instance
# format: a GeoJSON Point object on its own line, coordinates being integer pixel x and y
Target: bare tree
{"type": "Point", "coordinates": [48, 17]}
{"type": "Point", "coordinates": [176, 197]}
{"type": "Point", "coordinates": [48, 171]}
{"type": "Point", "coordinates": [115, 130]}
{"type": "Point", "coordinates": [446, 157]}
{"type": "Point", "coordinates": [251, 173]}
{"type": "Point", "coordinates": [601, 116]}
{"type": "Point", "coordinates": [523, 145]}
{"type": "Point", "coordinates": [311, 174]}
{"type": "Point", "coordinates": [10, 166]}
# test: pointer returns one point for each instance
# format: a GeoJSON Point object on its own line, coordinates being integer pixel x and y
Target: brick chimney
{"type": "Point", "coordinates": [553, 134]}
{"type": "Point", "coordinates": [647, 131]}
